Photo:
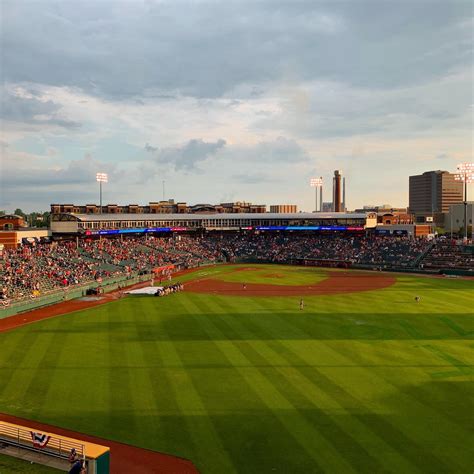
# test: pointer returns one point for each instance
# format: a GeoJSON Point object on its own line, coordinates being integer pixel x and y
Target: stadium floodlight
{"type": "Point", "coordinates": [465, 173]}
{"type": "Point", "coordinates": [317, 183]}
{"type": "Point", "coordinates": [101, 178]}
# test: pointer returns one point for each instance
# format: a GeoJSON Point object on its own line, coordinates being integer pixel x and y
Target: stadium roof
{"type": "Point", "coordinates": [185, 217]}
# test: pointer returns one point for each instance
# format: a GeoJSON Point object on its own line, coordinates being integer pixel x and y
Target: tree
{"type": "Point", "coordinates": [39, 219]}
{"type": "Point", "coordinates": [19, 212]}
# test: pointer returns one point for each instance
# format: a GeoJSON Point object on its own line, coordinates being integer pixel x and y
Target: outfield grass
{"type": "Point", "coordinates": [360, 382]}
{"type": "Point", "coordinates": [10, 465]}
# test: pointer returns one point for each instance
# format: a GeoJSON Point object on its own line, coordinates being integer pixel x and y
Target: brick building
{"type": "Point", "coordinates": [284, 208]}
{"type": "Point", "coordinates": [13, 231]}
{"type": "Point", "coordinates": [161, 207]}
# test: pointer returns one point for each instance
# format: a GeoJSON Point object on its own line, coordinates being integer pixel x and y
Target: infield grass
{"type": "Point", "coordinates": [360, 382]}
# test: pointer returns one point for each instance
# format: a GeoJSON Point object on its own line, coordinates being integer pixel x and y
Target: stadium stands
{"type": "Point", "coordinates": [45, 267]}
{"type": "Point", "coordinates": [449, 256]}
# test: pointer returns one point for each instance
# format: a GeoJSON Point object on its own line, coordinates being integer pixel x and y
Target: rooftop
{"type": "Point", "coordinates": [186, 217]}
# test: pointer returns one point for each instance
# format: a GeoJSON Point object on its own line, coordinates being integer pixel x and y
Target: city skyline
{"type": "Point", "coordinates": [231, 102]}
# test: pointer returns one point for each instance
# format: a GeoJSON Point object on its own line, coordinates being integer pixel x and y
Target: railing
{"type": "Point", "coordinates": [22, 438]}
{"type": "Point", "coordinates": [424, 254]}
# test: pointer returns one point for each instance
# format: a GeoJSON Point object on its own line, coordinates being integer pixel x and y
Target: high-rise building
{"type": "Point", "coordinates": [431, 194]}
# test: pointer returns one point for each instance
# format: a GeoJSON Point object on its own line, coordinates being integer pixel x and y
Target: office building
{"type": "Point", "coordinates": [431, 194]}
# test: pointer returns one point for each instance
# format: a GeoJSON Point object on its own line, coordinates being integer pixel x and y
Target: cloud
{"type": "Point", "coordinates": [322, 109]}
{"type": "Point", "coordinates": [209, 49]}
{"type": "Point", "coordinates": [187, 156]}
{"type": "Point", "coordinates": [28, 107]}
{"type": "Point", "coordinates": [252, 178]}
{"type": "Point", "coordinates": [150, 149]}
{"type": "Point", "coordinates": [280, 151]}
{"type": "Point", "coordinates": [23, 171]}
{"type": "Point", "coordinates": [293, 87]}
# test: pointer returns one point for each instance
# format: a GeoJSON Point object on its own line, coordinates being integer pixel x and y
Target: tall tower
{"type": "Point", "coordinates": [337, 191]}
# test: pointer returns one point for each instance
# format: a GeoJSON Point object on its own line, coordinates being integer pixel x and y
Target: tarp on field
{"type": "Point", "coordinates": [148, 290]}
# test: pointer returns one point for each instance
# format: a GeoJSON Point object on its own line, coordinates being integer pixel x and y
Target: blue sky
{"type": "Point", "coordinates": [230, 100]}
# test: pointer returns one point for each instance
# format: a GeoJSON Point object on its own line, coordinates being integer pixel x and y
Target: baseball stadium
{"type": "Point", "coordinates": [246, 343]}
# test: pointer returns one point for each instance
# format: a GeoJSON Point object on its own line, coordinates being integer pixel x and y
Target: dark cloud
{"type": "Point", "coordinates": [187, 156]}
{"type": "Point", "coordinates": [150, 149]}
{"type": "Point", "coordinates": [206, 49]}
{"type": "Point", "coordinates": [30, 109]}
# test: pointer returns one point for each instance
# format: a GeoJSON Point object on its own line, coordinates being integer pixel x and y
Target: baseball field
{"type": "Point", "coordinates": [263, 369]}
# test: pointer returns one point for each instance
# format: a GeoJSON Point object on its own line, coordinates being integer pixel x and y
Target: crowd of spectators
{"type": "Point", "coordinates": [400, 251]}
{"type": "Point", "coordinates": [449, 255]}
{"type": "Point", "coordinates": [33, 270]}
{"type": "Point", "coordinates": [30, 270]}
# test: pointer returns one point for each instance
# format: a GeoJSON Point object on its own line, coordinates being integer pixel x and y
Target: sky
{"type": "Point", "coordinates": [230, 100]}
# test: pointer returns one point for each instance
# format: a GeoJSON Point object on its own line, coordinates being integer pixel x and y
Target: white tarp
{"type": "Point", "coordinates": [148, 290]}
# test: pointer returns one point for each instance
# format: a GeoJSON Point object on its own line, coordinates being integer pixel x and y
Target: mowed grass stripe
{"type": "Point", "coordinates": [359, 381]}
{"type": "Point", "coordinates": [165, 415]}
{"type": "Point", "coordinates": [46, 364]}
{"type": "Point", "coordinates": [142, 398]}
{"type": "Point", "coordinates": [349, 429]}
{"type": "Point", "coordinates": [203, 433]}
{"type": "Point", "coordinates": [248, 414]}
{"type": "Point", "coordinates": [16, 361]}
{"type": "Point", "coordinates": [123, 418]}
{"type": "Point", "coordinates": [315, 444]}
{"type": "Point", "coordinates": [316, 347]}
{"type": "Point", "coordinates": [242, 418]}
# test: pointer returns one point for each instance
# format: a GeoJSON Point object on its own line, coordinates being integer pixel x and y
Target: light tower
{"type": "Point", "coordinates": [317, 183]}
{"type": "Point", "coordinates": [101, 178]}
{"type": "Point", "coordinates": [465, 173]}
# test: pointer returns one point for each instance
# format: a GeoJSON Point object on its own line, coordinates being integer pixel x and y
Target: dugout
{"type": "Point", "coordinates": [29, 443]}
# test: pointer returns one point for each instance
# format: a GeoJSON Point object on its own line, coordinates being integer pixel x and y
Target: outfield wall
{"type": "Point", "coordinates": [72, 292]}
{"type": "Point", "coordinates": [357, 266]}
